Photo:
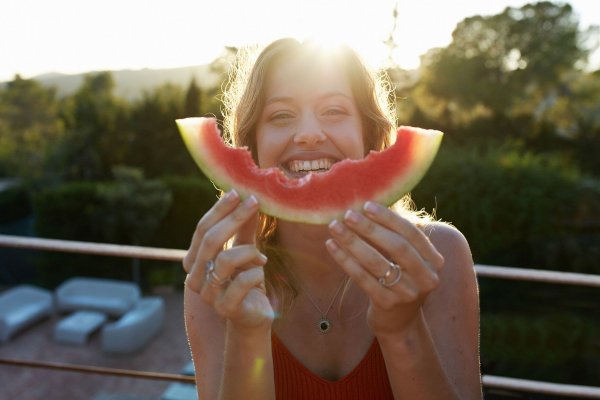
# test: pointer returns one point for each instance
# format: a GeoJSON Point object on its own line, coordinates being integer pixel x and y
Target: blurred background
{"type": "Point", "coordinates": [89, 150]}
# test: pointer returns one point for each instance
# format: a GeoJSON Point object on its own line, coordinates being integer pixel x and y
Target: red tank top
{"type": "Point", "coordinates": [293, 381]}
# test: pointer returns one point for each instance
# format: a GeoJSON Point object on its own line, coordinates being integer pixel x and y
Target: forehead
{"type": "Point", "coordinates": [302, 76]}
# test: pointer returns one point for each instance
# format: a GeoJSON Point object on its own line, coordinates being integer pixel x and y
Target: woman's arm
{"type": "Point", "coordinates": [248, 370]}
{"type": "Point", "coordinates": [229, 363]}
{"type": "Point", "coordinates": [433, 356]}
{"type": "Point", "coordinates": [438, 356]}
{"type": "Point", "coordinates": [227, 313]}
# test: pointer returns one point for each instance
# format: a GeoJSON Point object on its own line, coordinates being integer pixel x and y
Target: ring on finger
{"type": "Point", "coordinates": [212, 277]}
{"type": "Point", "coordinates": [394, 271]}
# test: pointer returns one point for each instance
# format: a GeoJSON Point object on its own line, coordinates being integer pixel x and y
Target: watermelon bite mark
{"type": "Point", "coordinates": [316, 198]}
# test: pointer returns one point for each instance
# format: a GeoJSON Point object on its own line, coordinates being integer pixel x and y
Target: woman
{"type": "Point", "coordinates": [260, 293]}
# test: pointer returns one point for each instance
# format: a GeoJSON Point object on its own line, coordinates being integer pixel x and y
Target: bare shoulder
{"type": "Point", "coordinates": [457, 277]}
{"type": "Point", "coordinates": [448, 240]}
{"type": "Point", "coordinates": [454, 247]}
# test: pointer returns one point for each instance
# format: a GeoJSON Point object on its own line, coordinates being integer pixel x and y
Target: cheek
{"type": "Point", "coordinates": [270, 145]}
{"type": "Point", "coordinates": [349, 139]}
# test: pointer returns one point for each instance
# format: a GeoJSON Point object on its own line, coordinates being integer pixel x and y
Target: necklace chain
{"type": "Point", "coordinates": [324, 324]}
{"type": "Point", "coordinates": [324, 314]}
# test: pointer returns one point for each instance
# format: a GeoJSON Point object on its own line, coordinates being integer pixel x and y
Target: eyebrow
{"type": "Point", "coordinates": [289, 99]}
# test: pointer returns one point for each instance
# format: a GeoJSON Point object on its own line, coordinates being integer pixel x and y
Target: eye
{"type": "Point", "coordinates": [281, 116]}
{"type": "Point", "coordinates": [335, 111]}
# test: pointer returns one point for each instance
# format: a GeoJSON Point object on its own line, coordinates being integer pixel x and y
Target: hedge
{"type": "Point", "coordinates": [14, 203]}
{"type": "Point", "coordinates": [78, 211]}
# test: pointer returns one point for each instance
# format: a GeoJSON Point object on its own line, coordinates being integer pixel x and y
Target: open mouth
{"type": "Point", "coordinates": [299, 168]}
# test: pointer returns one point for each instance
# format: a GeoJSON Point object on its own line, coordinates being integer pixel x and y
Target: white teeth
{"type": "Point", "coordinates": [310, 165]}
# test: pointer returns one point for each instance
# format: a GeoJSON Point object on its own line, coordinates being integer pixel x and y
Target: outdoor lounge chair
{"type": "Point", "coordinates": [21, 307]}
{"type": "Point", "coordinates": [111, 297]}
{"type": "Point", "coordinates": [136, 328]}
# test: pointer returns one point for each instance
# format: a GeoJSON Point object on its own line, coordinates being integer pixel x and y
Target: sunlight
{"type": "Point", "coordinates": [39, 37]}
{"type": "Point", "coordinates": [258, 368]}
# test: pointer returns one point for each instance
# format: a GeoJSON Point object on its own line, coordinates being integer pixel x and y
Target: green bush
{"type": "Point", "coordinates": [161, 213]}
{"type": "Point", "coordinates": [73, 211]}
{"type": "Point", "coordinates": [14, 203]}
{"type": "Point", "coordinates": [192, 198]}
{"type": "Point", "coordinates": [127, 210]}
{"type": "Point", "coordinates": [512, 205]}
{"type": "Point", "coordinates": [69, 211]}
{"type": "Point", "coordinates": [558, 347]}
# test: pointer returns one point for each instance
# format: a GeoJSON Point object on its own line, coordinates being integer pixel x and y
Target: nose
{"type": "Point", "coordinates": [309, 133]}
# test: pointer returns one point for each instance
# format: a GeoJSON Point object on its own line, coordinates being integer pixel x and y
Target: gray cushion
{"type": "Point", "coordinates": [136, 328]}
{"type": "Point", "coordinates": [111, 297]}
{"type": "Point", "coordinates": [21, 307]}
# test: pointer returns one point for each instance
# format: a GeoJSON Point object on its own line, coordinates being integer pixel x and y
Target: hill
{"type": "Point", "coordinates": [130, 84]}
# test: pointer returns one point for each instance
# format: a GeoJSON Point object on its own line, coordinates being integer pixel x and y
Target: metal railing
{"type": "Point", "coordinates": [489, 381]}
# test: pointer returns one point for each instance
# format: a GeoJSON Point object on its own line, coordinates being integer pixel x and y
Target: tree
{"type": "Point", "coordinates": [156, 146]}
{"type": "Point", "coordinates": [96, 139]}
{"type": "Point", "coordinates": [494, 61]}
{"type": "Point", "coordinates": [30, 124]}
{"type": "Point", "coordinates": [193, 96]}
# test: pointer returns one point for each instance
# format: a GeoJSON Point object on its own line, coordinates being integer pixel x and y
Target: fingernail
{"type": "Point", "coordinates": [351, 216]}
{"type": "Point", "coordinates": [331, 245]}
{"type": "Point", "coordinates": [263, 258]}
{"type": "Point", "coordinates": [232, 195]}
{"type": "Point", "coordinates": [252, 201]}
{"type": "Point", "coordinates": [336, 227]}
{"type": "Point", "coordinates": [370, 207]}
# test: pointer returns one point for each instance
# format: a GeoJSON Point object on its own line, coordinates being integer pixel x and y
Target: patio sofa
{"type": "Point", "coordinates": [21, 307]}
{"type": "Point", "coordinates": [111, 297]}
{"type": "Point", "coordinates": [136, 328]}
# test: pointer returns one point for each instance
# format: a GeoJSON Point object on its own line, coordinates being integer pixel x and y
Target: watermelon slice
{"type": "Point", "coordinates": [315, 198]}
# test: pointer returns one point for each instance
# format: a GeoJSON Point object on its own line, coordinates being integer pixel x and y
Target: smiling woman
{"type": "Point", "coordinates": [260, 291]}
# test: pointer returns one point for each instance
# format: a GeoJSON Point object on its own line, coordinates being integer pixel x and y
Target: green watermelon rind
{"type": "Point", "coordinates": [425, 149]}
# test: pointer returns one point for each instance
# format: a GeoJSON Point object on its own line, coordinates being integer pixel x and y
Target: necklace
{"type": "Point", "coordinates": [324, 323]}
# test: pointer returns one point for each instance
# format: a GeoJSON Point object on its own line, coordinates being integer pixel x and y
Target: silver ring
{"type": "Point", "coordinates": [394, 268]}
{"type": "Point", "coordinates": [212, 277]}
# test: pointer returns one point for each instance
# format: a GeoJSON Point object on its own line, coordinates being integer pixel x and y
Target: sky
{"type": "Point", "coordinates": [72, 36]}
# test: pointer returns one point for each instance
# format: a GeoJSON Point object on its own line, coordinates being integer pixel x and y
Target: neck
{"type": "Point", "coordinates": [310, 262]}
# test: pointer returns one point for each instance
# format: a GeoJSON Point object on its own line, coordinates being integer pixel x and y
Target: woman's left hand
{"type": "Point", "coordinates": [366, 245]}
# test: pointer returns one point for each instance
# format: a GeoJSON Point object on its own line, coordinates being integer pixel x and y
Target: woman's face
{"type": "Point", "coordinates": [310, 119]}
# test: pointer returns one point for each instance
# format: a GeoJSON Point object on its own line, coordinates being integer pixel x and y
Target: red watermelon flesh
{"type": "Point", "coordinates": [316, 198]}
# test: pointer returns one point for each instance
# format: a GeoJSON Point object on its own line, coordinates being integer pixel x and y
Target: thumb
{"type": "Point", "coordinates": [247, 232]}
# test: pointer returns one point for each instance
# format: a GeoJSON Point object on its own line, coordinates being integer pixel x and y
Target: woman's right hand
{"type": "Point", "coordinates": [236, 289]}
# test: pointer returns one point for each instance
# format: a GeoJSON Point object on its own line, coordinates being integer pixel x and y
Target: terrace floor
{"type": "Point", "coordinates": [168, 352]}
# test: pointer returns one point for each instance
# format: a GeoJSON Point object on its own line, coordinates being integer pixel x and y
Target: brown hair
{"type": "Point", "coordinates": [243, 101]}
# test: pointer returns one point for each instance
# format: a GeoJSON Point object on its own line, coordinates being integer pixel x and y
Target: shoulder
{"type": "Point", "coordinates": [457, 278]}
{"type": "Point", "coordinates": [451, 243]}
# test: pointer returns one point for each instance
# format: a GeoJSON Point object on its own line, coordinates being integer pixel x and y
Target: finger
{"type": "Point", "coordinates": [247, 232]}
{"type": "Point", "coordinates": [240, 257]}
{"type": "Point", "coordinates": [229, 303]}
{"type": "Point", "coordinates": [399, 250]}
{"type": "Point", "coordinates": [222, 207]}
{"type": "Point", "coordinates": [379, 294]}
{"type": "Point", "coordinates": [366, 254]}
{"type": "Point", "coordinates": [216, 236]}
{"type": "Point", "coordinates": [408, 230]}
{"type": "Point", "coordinates": [214, 240]}
{"type": "Point", "coordinates": [226, 264]}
